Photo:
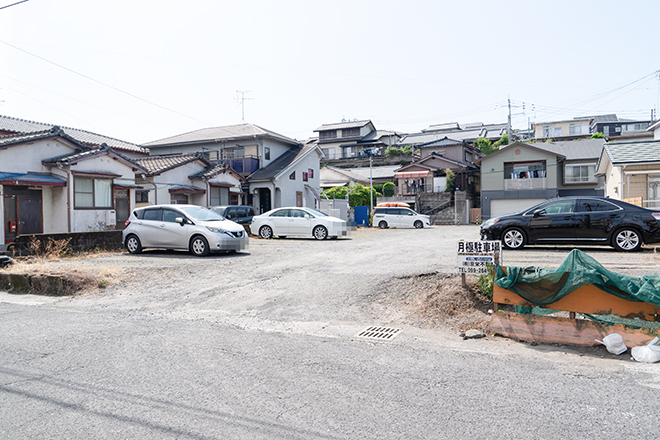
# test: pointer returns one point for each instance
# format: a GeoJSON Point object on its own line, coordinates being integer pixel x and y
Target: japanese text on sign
{"type": "Point", "coordinates": [475, 256]}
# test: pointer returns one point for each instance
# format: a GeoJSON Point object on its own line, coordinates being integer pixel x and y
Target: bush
{"type": "Point", "coordinates": [389, 189]}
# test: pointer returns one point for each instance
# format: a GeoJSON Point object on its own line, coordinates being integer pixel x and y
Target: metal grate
{"type": "Point", "coordinates": [380, 333]}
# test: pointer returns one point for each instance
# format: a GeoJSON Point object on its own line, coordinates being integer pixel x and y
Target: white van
{"type": "Point", "coordinates": [391, 217]}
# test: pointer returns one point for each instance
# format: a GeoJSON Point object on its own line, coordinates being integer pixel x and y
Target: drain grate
{"type": "Point", "coordinates": [380, 333]}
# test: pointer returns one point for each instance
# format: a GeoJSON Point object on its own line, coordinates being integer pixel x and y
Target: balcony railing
{"type": "Point", "coordinates": [243, 165]}
{"type": "Point", "coordinates": [530, 183]}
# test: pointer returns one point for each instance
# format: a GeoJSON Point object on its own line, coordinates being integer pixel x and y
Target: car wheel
{"type": "Point", "coordinates": [266, 232]}
{"type": "Point", "coordinates": [320, 233]}
{"type": "Point", "coordinates": [419, 224]}
{"type": "Point", "coordinates": [513, 238]}
{"type": "Point", "coordinates": [133, 244]}
{"type": "Point", "coordinates": [626, 240]}
{"type": "Point", "coordinates": [199, 247]}
{"type": "Point", "coordinates": [382, 225]}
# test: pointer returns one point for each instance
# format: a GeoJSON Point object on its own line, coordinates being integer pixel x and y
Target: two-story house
{"type": "Point", "coordinates": [353, 139]}
{"type": "Point", "coordinates": [563, 129]}
{"type": "Point", "coordinates": [453, 130]}
{"type": "Point", "coordinates": [260, 156]}
{"type": "Point", "coordinates": [519, 175]}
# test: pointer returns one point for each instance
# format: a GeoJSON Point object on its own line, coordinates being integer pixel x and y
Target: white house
{"type": "Point", "coordinates": [50, 183]}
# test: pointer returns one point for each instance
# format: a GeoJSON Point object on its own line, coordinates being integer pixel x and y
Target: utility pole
{"type": "Point", "coordinates": [371, 183]}
{"type": "Point", "coordinates": [241, 101]}
{"type": "Point", "coordinates": [508, 125]}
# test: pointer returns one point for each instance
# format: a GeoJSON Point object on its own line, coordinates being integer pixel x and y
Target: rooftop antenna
{"type": "Point", "coordinates": [241, 100]}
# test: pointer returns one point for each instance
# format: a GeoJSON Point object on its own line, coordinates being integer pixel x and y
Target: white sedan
{"type": "Point", "coordinates": [297, 221]}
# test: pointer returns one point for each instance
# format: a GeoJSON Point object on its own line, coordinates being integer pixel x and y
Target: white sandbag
{"type": "Point", "coordinates": [614, 343]}
{"type": "Point", "coordinates": [649, 353]}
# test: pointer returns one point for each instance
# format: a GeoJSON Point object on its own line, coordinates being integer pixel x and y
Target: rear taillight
{"type": "Point", "coordinates": [656, 215]}
{"type": "Point", "coordinates": [126, 223]}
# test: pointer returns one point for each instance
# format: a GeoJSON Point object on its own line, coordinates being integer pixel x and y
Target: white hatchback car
{"type": "Point", "coordinates": [297, 221]}
{"type": "Point", "coordinates": [190, 227]}
{"type": "Point", "coordinates": [399, 217]}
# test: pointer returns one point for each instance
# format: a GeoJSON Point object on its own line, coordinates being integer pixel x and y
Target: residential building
{"type": "Point", "coordinates": [563, 129]}
{"type": "Point", "coordinates": [655, 129]}
{"type": "Point", "coordinates": [13, 126]}
{"type": "Point", "coordinates": [258, 155]}
{"type": "Point", "coordinates": [615, 128]}
{"type": "Point", "coordinates": [53, 183]}
{"type": "Point", "coordinates": [467, 133]}
{"type": "Point", "coordinates": [521, 175]}
{"type": "Point", "coordinates": [354, 139]}
{"type": "Point", "coordinates": [632, 171]}
{"type": "Point", "coordinates": [187, 179]}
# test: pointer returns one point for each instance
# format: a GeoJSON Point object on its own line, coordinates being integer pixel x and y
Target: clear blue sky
{"type": "Point", "coordinates": [142, 70]}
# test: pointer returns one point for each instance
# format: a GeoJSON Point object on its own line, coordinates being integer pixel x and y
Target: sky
{"type": "Point", "coordinates": [143, 70]}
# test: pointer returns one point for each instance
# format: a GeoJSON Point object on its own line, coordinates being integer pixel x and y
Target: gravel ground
{"type": "Point", "coordinates": [371, 277]}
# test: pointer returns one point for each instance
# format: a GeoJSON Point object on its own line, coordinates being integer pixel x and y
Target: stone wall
{"type": "Point", "coordinates": [80, 241]}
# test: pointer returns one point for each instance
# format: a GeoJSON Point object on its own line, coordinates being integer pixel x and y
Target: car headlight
{"type": "Point", "coordinates": [490, 222]}
{"type": "Point", "coordinates": [217, 230]}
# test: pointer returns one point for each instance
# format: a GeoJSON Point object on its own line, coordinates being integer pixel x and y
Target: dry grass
{"type": "Point", "coordinates": [439, 300]}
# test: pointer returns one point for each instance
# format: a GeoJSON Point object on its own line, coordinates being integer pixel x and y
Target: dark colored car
{"type": "Point", "coordinates": [577, 221]}
{"type": "Point", "coordinates": [237, 213]}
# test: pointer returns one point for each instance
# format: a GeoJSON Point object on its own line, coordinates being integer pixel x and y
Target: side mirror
{"type": "Point", "coordinates": [538, 212]}
{"type": "Point", "coordinates": [307, 216]}
{"type": "Point", "coordinates": [180, 220]}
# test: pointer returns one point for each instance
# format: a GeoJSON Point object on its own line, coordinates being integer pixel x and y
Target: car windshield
{"type": "Point", "coordinates": [316, 213]}
{"type": "Point", "coordinates": [218, 211]}
{"type": "Point", "coordinates": [202, 214]}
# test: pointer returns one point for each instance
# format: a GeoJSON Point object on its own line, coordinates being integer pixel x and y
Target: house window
{"type": "Point", "coordinates": [141, 196]}
{"type": "Point", "coordinates": [606, 130]}
{"type": "Point", "coordinates": [179, 199]}
{"type": "Point", "coordinates": [92, 193]}
{"type": "Point", "coordinates": [213, 156]}
{"type": "Point", "coordinates": [350, 132]}
{"type": "Point", "coordinates": [329, 153]}
{"type": "Point", "coordinates": [233, 153]}
{"type": "Point", "coordinates": [305, 177]}
{"type": "Point", "coordinates": [557, 131]}
{"type": "Point", "coordinates": [266, 153]}
{"type": "Point", "coordinates": [310, 173]}
{"type": "Point", "coordinates": [574, 129]}
{"type": "Point", "coordinates": [214, 193]}
{"type": "Point", "coordinates": [292, 176]}
{"type": "Point", "coordinates": [233, 199]}
{"type": "Point", "coordinates": [468, 157]}
{"type": "Point", "coordinates": [349, 152]}
{"type": "Point", "coordinates": [579, 173]}
{"type": "Point", "coordinates": [328, 134]}
{"type": "Point", "coordinates": [548, 130]}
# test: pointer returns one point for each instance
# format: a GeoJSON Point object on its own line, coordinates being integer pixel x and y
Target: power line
{"type": "Point", "coordinates": [104, 84]}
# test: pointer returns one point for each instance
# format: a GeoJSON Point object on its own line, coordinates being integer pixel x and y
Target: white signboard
{"type": "Point", "coordinates": [475, 256]}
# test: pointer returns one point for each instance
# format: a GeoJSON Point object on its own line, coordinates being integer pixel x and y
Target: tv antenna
{"type": "Point", "coordinates": [241, 101]}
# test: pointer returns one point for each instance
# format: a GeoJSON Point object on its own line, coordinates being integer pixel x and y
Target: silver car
{"type": "Point", "coordinates": [190, 227]}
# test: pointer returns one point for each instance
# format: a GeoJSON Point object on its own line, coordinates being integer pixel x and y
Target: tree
{"type": "Point", "coordinates": [597, 135]}
{"type": "Point", "coordinates": [338, 192]}
{"type": "Point", "coordinates": [451, 177]}
{"type": "Point", "coordinates": [389, 189]}
{"type": "Point", "coordinates": [504, 140]}
{"type": "Point", "coordinates": [485, 145]}
{"type": "Point", "coordinates": [358, 195]}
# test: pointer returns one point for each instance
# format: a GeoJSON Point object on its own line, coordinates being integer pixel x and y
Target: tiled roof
{"type": "Point", "coordinates": [159, 164]}
{"type": "Point", "coordinates": [22, 126]}
{"type": "Point", "coordinates": [212, 171]}
{"type": "Point", "coordinates": [621, 153]}
{"type": "Point", "coordinates": [278, 165]}
{"type": "Point", "coordinates": [215, 134]}
{"type": "Point", "coordinates": [574, 150]}
{"type": "Point", "coordinates": [340, 125]}
{"type": "Point", "coordinates": [492, 132]}
{"type": "Point", "coordinates": [37, 135]}
{"type": "Point", "coordinates": [77, 156]}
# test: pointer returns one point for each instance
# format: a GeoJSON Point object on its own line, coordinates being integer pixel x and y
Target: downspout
{"type": "Point", "coordinates": [68, 200]}
{"type": "Point", "coordinates": [623, 181]}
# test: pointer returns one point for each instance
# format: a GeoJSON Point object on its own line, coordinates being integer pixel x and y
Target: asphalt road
{"type": "Point", "coordinates": [263, 345]}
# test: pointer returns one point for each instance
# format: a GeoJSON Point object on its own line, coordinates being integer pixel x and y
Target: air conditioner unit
{"type": "Point", "coordinates": [111, 218]}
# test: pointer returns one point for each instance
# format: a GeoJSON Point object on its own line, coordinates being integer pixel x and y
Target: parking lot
{"type": "Point", "coordinates": [262, 344]}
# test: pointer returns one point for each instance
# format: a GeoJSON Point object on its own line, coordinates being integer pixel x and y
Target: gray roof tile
{"type": "Point", "coordinates": [226, 133]}
{"type": "Point", "coordinates": [621, 153]}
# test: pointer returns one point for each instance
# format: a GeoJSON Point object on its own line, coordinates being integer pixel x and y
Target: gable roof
{"type": "Point", "coordinates": [212, 171]}
{"type": "Point", "coordinates": [78, 156]}
{"type": "Point", "coordinates": [220, 134]}
{"type": "Point", "coordinates": [469, 134]}
{"type": "Point", "coordinates": [22, 138]}
{"type": "Point", "coordinates": [340, 125]}
{"type": "Point", "coordinates": [272, 170]}
{"type": "Point", "coordinates": [155, 165]}
{"type": "Point", "coordinates": [582, 149]}
{"type": "Point", "coordinates": [629, 153]}
{"type": "Point", "coordinates": [444, 142]}
{"type": "Point", "coordinates": [22, 126]}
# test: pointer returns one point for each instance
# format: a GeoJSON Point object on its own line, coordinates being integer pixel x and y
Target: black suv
{"type": "Point", "coordinates": [236, 213]}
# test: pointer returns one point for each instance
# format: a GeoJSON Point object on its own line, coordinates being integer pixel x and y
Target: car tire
{"type": "Point", "coordinates": [320, 233]}
{"type": "Point", "coordinates": [418, 224]}
{"type": "Point", "coordinates": [382, 224]}
{"type": "Point", "coordinates": [626, 240]}
{"type": "Point", "coordinates": [199, 247]}
{"type": "Point", "coordinates": [266, 232]}
{"type": "Point", "coordinates": [133, 245]}
{"type": "Point", "coordinates": [514, 239]}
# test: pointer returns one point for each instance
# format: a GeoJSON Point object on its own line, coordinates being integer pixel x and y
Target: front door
{"type": "Point", "coordinates": [264, 200]}
{"type": "Point", "coordinates": [22, 212]}
{"type": "Point", "coordinates": [122, 207]}
{"type": "Point", "coordinates": [556, 222]}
